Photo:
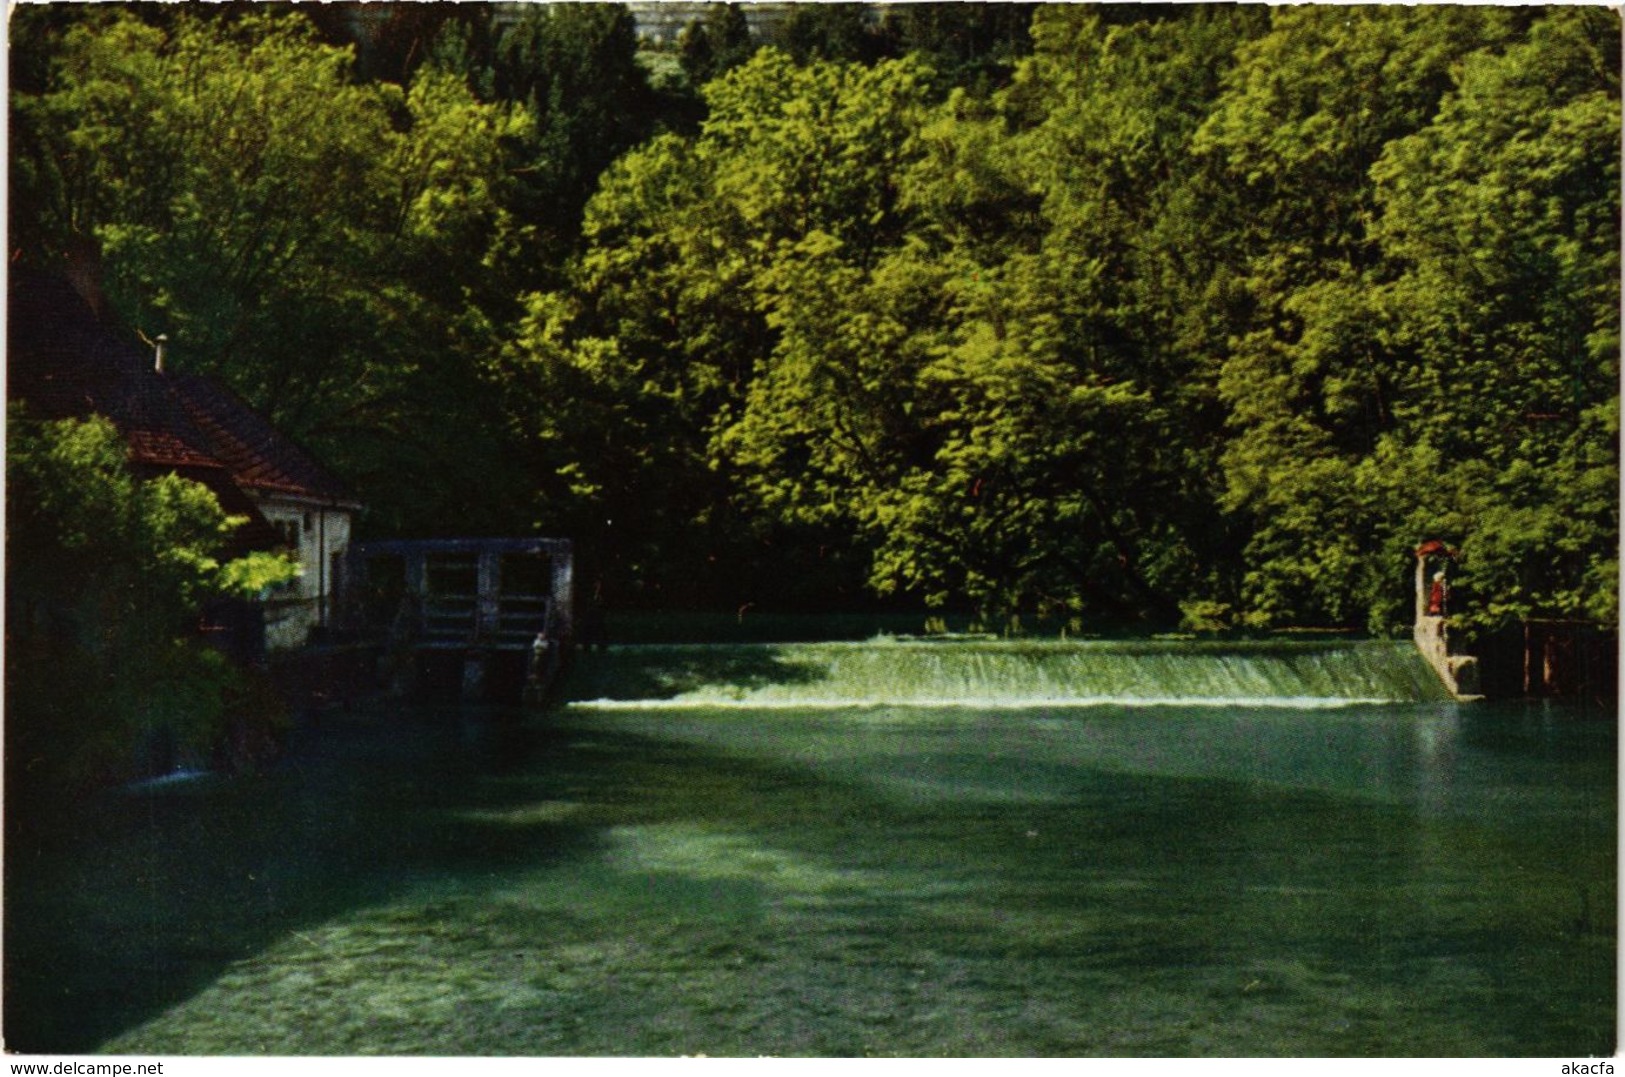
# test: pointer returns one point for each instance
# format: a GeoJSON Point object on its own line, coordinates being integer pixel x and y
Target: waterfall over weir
{"type": "Point", "coordinates": [990, 674]}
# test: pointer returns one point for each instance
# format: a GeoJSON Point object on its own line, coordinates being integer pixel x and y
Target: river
{"type": "Point", "coordinates": [850, 850]}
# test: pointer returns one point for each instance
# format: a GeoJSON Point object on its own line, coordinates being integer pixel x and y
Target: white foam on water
{"type": "Point", "coordinates": [980, 704]}
{"type": "Point", "coordinates": [996, 676]}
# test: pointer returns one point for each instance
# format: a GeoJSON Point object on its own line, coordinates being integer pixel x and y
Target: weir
{"type": "Point", "coordinates": [990, 674]}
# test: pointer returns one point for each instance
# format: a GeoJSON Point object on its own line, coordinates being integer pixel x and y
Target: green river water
{"type": "Point", "coordinates": [841, 850]}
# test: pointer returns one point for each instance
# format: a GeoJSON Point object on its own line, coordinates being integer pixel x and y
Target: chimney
{"type": "Point", "coordinates": [158, 359]}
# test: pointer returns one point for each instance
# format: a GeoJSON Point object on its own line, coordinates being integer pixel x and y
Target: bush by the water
{"type": "Point", "coordinates": [106, 678]}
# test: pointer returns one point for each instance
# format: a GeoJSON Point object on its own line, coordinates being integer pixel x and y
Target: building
{"type": "Point", "coordinates": [661, 23]}
{"type": "Point", "coordinates": [311, 512]}
{"type": "Point", "coordinates": [63, 361]}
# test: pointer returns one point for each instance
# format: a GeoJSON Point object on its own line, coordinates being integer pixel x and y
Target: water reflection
{"type": "Point", "coordinates": [1435, 758]}
{"type": "Point", "coordinates": [1186, 880]}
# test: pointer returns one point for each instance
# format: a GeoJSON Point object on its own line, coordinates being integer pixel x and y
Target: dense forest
{"type": "Point", "coordinates": [1091, 316]}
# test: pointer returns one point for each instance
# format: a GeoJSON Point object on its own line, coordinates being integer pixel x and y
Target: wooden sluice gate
{"type": "Point", "coordinates": [493, 610]}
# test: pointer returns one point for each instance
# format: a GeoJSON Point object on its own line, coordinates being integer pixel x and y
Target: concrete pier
{"type": "Point", "coordinates": [1431, 630]}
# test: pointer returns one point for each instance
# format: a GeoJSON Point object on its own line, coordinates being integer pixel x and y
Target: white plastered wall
{"type": "Point", "coordinates": [318, 534]}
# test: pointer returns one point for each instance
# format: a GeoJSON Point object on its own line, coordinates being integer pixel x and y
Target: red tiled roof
{"type": "Point", "coordinates": [259, 457]}
{"type": "Point", "coordinates": [63, 363]}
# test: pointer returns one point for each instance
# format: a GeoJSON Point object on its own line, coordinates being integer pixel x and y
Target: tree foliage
{"type": "Point", "coordinates": [1406, 359]}
{"type": "Point", "coordinates": [106, 572]}
{"type": "Point", "coordinates": [1106, 314]}
{"type": "Point", "coordinates": [716, 44]}
{"type": "Point", "coordinates": [315, 241]}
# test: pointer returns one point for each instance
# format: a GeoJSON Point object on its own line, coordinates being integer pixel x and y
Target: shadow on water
{"type": "Point", "coordinates": [1541, 729]}
{"type": "Point", "coordinates": [124, 904]}
{"type": "Point", "coordinates": [799, 885]}
{"type": "Point", "coordinates": [666, 672]}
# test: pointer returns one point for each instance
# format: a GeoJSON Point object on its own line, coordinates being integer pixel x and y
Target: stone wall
{"type": "Point", "coordinates": [1459, 672]}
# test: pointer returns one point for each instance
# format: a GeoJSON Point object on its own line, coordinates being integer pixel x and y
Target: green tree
{"type": "Point", "coordinates": [389, 41]}
{"type": "Point", "coordinates": [1308, 378]}
{"type": "Point", "coordinates": [672, 316]}
{"type": "Point", "coordinates": [834, 32]}
{"type": "Point", "coordinates": [105, 572]}
{"type": "Point", "coordinates": [1431, 250]}
{"type": "Point", "coordinates": [975, 46]}
{"type": "Point", "coordinates": [716, 44]}
{"type": "Point", "coordinates": [1069, 399]}
{"type": "Point", "coordinates": [317, 242]}
{"type": "Point", "coordinates": [1502, 219]}
{"type": "Point", "coordinates": [574, 68]}
{"type": "Point", "coordinates": [1166, 327]}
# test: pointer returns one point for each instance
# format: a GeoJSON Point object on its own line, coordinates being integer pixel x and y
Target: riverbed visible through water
{"type": "Point", "coordinates": [840, 850]}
